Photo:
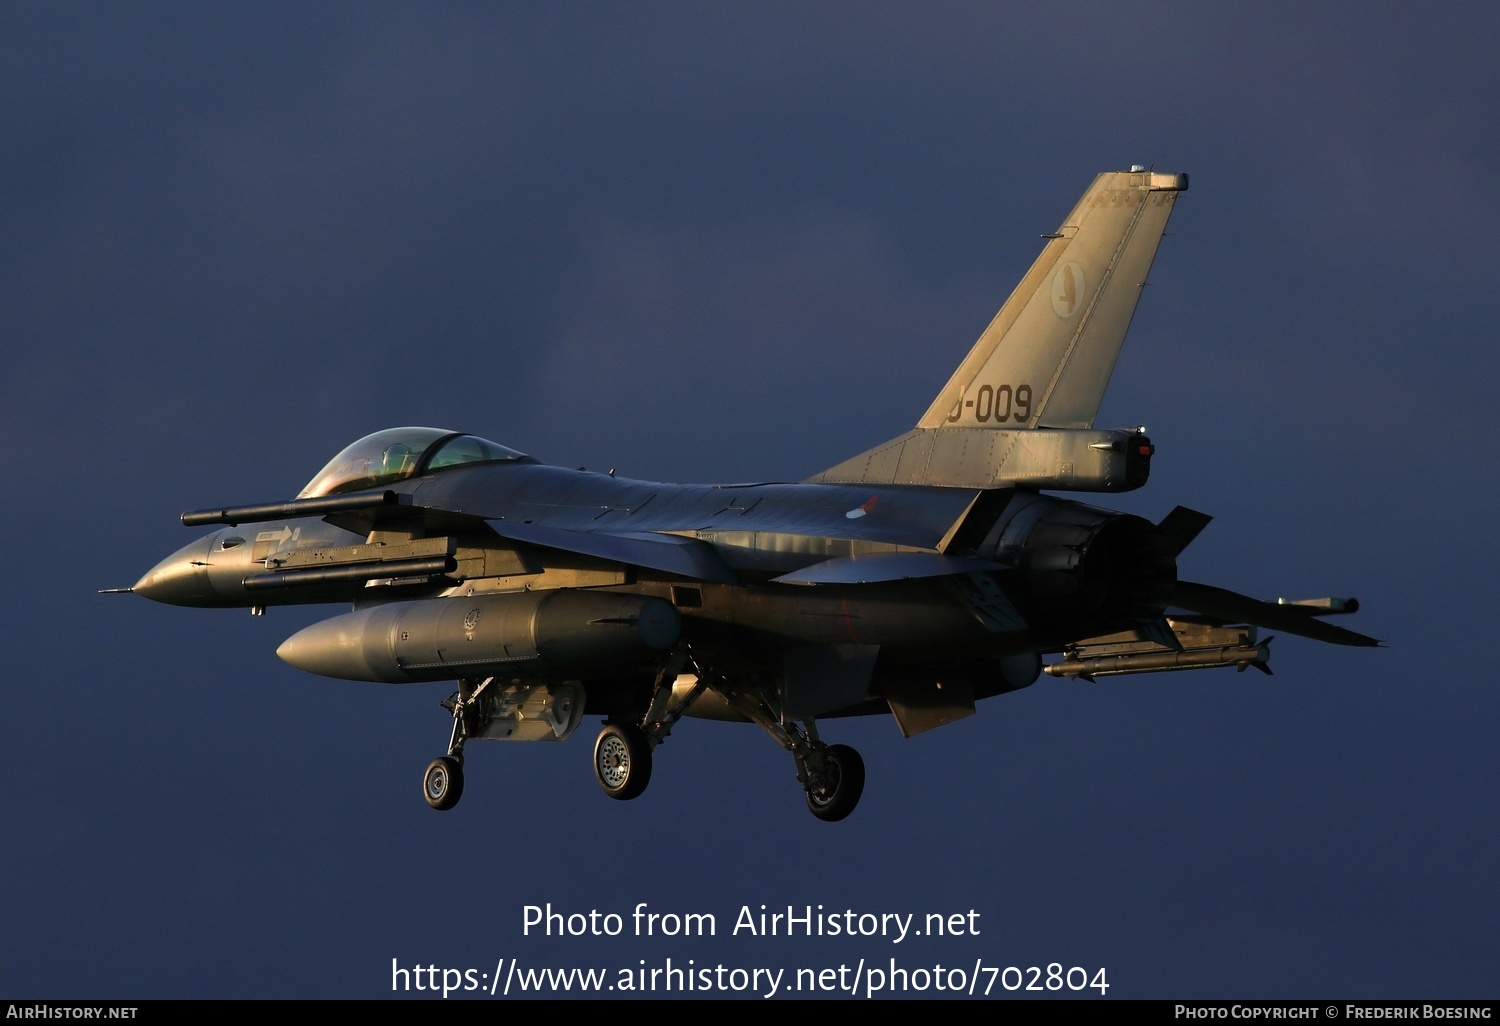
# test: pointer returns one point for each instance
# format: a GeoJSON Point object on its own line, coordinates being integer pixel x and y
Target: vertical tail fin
{"type": "Point", "coordinates": [1057, 337]}
{"type": "Point", "coordinates": [1046, 358]}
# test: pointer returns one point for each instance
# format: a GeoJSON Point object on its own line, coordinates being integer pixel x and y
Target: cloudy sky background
{"type": "Point", "coordinates": [740, 242]}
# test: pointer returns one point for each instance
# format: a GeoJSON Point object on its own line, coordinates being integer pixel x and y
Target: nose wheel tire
{"type": "Point", "coordinates": [443, 783]}
{"type": "Point", "coordinates": [622, 761]}
{"type": "Point", "coordinates": [843, 781]}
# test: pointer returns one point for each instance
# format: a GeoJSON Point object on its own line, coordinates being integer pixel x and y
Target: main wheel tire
{"type": "Point", "coordinates": [622, 761]}
{"type": "Point", "coordinates": [843, 783]}
{"type": "Point", "coordinates": [443, 783]}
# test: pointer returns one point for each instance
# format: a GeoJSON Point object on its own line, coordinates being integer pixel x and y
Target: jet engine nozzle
{"type": "Point", "coordinates": [1080, 564]}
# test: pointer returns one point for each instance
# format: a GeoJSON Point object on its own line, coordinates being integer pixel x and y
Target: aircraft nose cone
{"type": "Point", "coordinates": [182, 578]}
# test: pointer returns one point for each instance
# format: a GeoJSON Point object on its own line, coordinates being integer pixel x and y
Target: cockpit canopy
{"type": "Point", "coordinates": [396, 454]}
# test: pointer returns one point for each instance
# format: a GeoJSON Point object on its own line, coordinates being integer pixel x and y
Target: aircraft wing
{"type": "Point", "coordinates": [697, 531]}
{"type": "Point", "coordinates": [679, 535]}
{"type": "Point", "coordinates": [511, 498]}
{"type": "Point", "coordinates": [687, 530]}
{"type": "Point", "coordinates": [667, 552]}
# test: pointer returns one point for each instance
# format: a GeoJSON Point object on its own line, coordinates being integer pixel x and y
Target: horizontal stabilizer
{"type": "Point", "coordinates": [666, 552]}
{"type": "Point", "coordinates": [886, 566]}
{"type": "Point", "coordinates": [1234, 607]}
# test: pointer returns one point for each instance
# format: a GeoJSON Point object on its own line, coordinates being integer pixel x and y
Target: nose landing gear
{"type": "Point", "coordinates": [443, 783]}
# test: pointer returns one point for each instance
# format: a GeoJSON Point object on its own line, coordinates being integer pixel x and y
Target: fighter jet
{"type": "Point", "coordinates": [914, 579]}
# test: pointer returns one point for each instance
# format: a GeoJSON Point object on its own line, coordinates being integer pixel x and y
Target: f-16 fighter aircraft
{"type": "Point", "coordinates": [915, 579]}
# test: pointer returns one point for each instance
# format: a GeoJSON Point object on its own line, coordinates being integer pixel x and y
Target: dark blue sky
{"type": "Point", "coordinates": [744, 242]}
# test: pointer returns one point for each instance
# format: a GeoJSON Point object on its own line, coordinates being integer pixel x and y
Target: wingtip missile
{"type": "Point", "coordinates": [1321, 606]}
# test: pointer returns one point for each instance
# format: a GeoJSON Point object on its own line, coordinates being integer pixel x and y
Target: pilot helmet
{"type": "Point", "coordinates": [396, 460]}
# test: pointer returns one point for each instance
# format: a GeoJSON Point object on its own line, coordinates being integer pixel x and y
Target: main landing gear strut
{"type": "Point", "coordinates": [832, 776]}
{"type": "Point", "coordinates": [622, 754]}
{"type": "Point", "coordinates": [834, 789]}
